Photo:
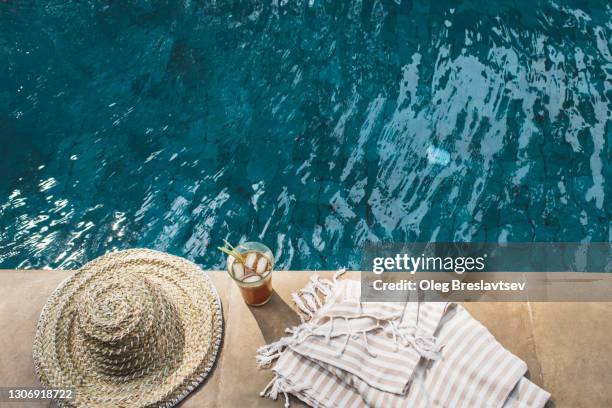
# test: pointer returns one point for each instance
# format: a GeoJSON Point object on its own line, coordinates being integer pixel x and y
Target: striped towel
{"type": "Point", "coordinates": [377, 354]}
{"type": "Point", "coordinates": [367, 335]}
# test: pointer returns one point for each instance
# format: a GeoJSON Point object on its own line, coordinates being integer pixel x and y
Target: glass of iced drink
{"type": "Point", "coordinates": [250, 264]}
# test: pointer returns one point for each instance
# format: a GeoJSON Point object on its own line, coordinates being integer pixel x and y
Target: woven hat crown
{"type": "Point", "coordinates": [127, 327]}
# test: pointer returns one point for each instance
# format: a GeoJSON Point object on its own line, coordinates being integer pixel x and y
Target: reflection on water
{"type": "Point", "coordinates": [313, 126]}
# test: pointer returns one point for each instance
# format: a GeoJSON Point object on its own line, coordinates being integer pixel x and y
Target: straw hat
{"type": "Point", "coordinates": [135, 328]}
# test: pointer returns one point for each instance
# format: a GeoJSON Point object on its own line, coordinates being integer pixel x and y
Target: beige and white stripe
{"type": "Point", "coordinates": [373, 368]}
{"type": "Point", "coordinates": [330, 390]}
{"type": "Point", "coordinates": [374, 356]}
{"type": "Point", "coordinates": [526, 395]}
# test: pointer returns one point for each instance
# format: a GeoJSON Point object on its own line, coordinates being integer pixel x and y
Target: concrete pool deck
{"type": "Point", "coordinates": [565, 345]}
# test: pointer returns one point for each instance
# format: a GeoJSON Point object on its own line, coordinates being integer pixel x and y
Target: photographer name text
{"type": "Point", "coordinates": [447, 286]}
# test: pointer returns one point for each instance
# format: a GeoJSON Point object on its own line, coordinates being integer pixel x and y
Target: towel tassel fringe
{"type": "Point", "coordinates": [280, 385]}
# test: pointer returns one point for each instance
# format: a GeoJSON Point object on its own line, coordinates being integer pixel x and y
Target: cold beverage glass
{"type": "Point", "coordinates": [253, 273]}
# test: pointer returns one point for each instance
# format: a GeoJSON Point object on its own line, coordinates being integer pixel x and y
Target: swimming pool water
{"type": "Point", "coordinates": [313, 126]}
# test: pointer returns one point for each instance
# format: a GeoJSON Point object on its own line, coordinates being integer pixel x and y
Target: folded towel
{"type": "Point", "coordinates": [363, 339]}
{"type": "Point", "coordinates": [381, 354]}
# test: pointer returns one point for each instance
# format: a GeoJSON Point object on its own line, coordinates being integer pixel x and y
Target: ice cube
{"type": "Point", "coordinates": [238, 270]}
{"type": "Point", "coordinates": [262, 265]}
{"type": "Point", "coordinates": [250, 260]}
{"type": "Point", "coordinates": [251, 279]}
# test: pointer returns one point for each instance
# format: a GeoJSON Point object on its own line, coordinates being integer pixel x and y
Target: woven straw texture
{"type": "Point", "coordinates": [135, 328]}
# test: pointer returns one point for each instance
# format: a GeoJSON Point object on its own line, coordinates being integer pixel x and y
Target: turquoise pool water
{"type": "Point", "coordinates": [313, 126]}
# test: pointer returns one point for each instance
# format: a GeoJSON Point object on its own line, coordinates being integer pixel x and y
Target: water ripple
{"type": "Point", "coordinates": [312, 126]}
